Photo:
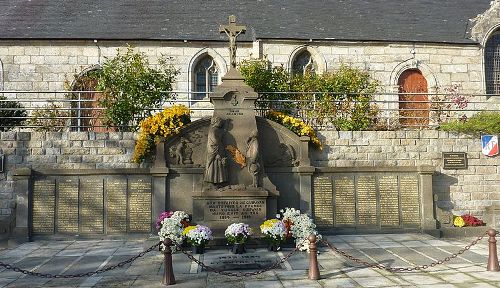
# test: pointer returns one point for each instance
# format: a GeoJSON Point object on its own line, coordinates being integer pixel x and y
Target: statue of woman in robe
{"type": "Point", "coordinates": [215, 168]}
{"type": "Point", "coordinates": [253, 158]}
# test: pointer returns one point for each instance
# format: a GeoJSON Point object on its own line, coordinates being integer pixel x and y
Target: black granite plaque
{"type": "Point", "coordinates": [116, 204]}
{"type": "Point", "coordinates": [67, 205]}
{"type": "Point", "coordinates": [139, 205]}
{"type": "Point", "coordinates": [92, 205]}
{"type": "Point", "coordinates": [410, 202]}
{"type": "Point", "coordinates": [389, 201]}
{"type": "Point", "coordinates": [366, 189]}
{"type": "Point", "coordinates": [44, 206]}
{"type": "Point", "coordinates": [454, 160]}
{"type": "Point", "coordinates": [323, 201]}
{"type": "Point", "coordinates": [345, 202]}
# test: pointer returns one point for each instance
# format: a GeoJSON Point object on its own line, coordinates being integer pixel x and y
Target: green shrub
{"type": "Point", "coordinates": [12, 114]}
{"type": "Point", "coordinates": [131, 88]}
{"type": "Point", "coordinates": [481, 123]}
{"type": "Point", "coordinates": [50, 117]}
{"type": "Point", "coordinates": [341, 97]}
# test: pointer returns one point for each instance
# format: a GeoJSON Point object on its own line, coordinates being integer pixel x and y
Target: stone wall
{"type": "Point", "coordinates": [45, 66]}
{"type": "Point", "coordinates": [464, 191]}
{"type": "Point", "coordinates": [467, 190]}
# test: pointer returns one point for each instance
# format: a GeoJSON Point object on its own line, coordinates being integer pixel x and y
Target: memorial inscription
{"type": "Point", "coordinates": [139, 205]}
{"type": "Point", "coordinates": [92, 205]}
{"type": "Point", "coordinates": [235, 209]}
{"type": "Point", "coordinates": [410, 202]}
{"type": "Point", "coordinates": [367, 200]}
{"type": "Point", "coordinates": [323, 201]}
{"type": "Point", "coordinates": [116, 203]}
{"type": "Point", "coordinates": [44, 206]}
{"type": "Point", "coordinates": [389, 201]}
{"type": "Point", "coordinates": [67, 205]}
{"type": "Point", "coordinates": [345, 202]}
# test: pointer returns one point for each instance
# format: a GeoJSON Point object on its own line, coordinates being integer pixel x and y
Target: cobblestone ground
{"type": "Point", "coordinates": [393, 250]}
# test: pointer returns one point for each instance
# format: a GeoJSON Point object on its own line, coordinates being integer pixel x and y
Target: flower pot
{"type": "Point", "coordinates": [198, 249]}
{"type": "Point", "coordinates": [273, 247]}
{"type": "Point", "coordinates": [238, 248]}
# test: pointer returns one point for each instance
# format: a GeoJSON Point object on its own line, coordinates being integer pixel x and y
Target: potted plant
{"type": "Point", "coordinates": [198, 236]}
{"type": "Point", "coordinates": [300, 226]}
{"type": "Point", "coordinates": [237, 234]}
{"type": "Point", "coordinates": [274, 232]}
{"type": "Point", "coordinates": [170, 225]}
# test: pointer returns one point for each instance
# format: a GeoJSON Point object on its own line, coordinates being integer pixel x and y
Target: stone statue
{"type": "Point", "coordinates": [215, 168]}
{"type": "Point", "coordinates": [183, 152]}
{"type": "Point", "coordinates": [252, 157]}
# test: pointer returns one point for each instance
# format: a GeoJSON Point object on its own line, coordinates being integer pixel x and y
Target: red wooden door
{"type": "Point", "coordinates": [413, 109]}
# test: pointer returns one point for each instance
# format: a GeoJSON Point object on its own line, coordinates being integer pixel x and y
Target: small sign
{"type": "Point", "coordinates": [454, 160]}
{"type": "Point", "coordinates": [489, 145]}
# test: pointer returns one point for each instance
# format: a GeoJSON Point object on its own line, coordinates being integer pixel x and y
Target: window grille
{"type": "Point", "coordinates": [304, 63]}
{"type": "Point", "coordinates": [492, 64]}
{"type": "Point", "coordinates": [206, 75]}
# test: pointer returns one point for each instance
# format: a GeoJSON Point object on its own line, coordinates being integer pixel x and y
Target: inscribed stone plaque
{"type": "Point", "coordinates": [139, 205]}
{"type": "Point", "coordinates": [67, 205]}
{"type": "Point", "coordinates": [92, 205]}
{"type": "Point", "coordinates": [44, 205]}
{"type": "Point", "coordinates": [236, 210]}
{"type": "Point", "coordinates": [116, 201]}
{"type": "Point", "coordinates": [454, 160]}
{"type": "Point", "coordinates": [389, 201]}
{"type": "Point", "coordinates": [410, 202]}
{"type": "Point", "coordinates": [345, 202]}
{"type": "Point", "coordinates": [367, 201]}
{"type": "Point", "coordinates": [323, 201]}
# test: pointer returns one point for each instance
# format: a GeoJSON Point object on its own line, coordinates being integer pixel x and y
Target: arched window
{"type": "Point", "coordinates": [304, 63]}
{"type": "Point", "coordinates": [1, 75]}
{"type": "Point", "coordinates": [492, 64]}
{"type": "Point", "coordinates": [206, 76]}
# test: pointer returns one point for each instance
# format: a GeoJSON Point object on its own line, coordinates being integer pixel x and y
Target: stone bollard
{"type": "Point", "coordinates": [168, 274]}
{"type": "Point", "coordinates": [492, 255]}
{"type": "Point", "coordinates": [313, 258]}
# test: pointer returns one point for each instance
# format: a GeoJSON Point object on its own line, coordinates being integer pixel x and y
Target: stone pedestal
{"type": "Point", "coordinates": [218, 209]}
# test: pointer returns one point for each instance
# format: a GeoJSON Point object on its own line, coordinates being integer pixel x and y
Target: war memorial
{"type": "Point", "coordinates": [239, 167]}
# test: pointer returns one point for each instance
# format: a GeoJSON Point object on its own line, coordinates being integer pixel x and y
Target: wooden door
{"type": "Point", "coordinates": [413, 109]}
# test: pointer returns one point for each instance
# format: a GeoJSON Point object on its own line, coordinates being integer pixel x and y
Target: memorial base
{"type": "Point", "coordinates": [220, 208]}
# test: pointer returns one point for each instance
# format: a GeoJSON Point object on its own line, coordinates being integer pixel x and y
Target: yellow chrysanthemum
{"type": "Point", "coordinates": [187, 229]}
{"type": "Point", "coordinates": [458, 222]}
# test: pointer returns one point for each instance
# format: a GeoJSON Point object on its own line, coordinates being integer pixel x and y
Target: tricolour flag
{"type": "Point", "coordinates": [490, 145]}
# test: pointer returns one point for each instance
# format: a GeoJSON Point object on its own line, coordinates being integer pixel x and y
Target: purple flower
{"type": "Point", "coordinates": [163, 215]}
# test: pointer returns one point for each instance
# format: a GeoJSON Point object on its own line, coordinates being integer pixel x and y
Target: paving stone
{"type": "Point", "coordinates": [421, 279]}
{"type": "Point", "coordinates": [373, 281]}
{"type": "Point", "coordinates": [263, 284]}
{"type": "Point", "coordinates": [303, 283]}
{"type": "Point", "coordinates": [339, 282]}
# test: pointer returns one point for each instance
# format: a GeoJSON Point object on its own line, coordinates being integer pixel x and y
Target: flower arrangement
{"type": "Point", "coordinates": [274, 231]}
{"type": "Point", "coordinates": [172, 225]}
{"type": "Point", "coordinates": [163, 124]}
{"type": "Point", "coordinates": [301, 226]}
{"type": "Point", "coordinates": [198, 235]}
{"type": "Point", "coordinates": [295, 125]}
{"type": "Point", "coordinates": [237, 233]}
{"type": "Point", "coordinates": [467, 220]}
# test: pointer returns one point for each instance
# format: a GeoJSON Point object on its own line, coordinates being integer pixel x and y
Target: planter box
{"type": "Point", "coordinates": [460, 232]}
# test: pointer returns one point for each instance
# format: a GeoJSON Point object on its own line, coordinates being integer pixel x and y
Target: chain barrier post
{"type": "Point", "coordinates": [168, 274]}
{"type": "Point", "coordinates": [492, 253]}
{"type": "Point", "coordinates": [313, 258]}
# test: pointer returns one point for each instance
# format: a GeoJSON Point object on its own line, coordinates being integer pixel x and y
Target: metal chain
{"type": "Point", "coordinates": [87, 274]}
{"type": "Point", "coordinates": [239, 274]}
{"type": "Point", "coordinates": [403, 269]}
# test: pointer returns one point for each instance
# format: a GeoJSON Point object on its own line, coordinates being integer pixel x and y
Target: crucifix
{"type": "Point", "coordinates": [232, 31]}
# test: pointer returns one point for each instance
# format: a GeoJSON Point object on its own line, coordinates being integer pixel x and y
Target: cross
{"type": "Point", "coordinates": [232, 31]}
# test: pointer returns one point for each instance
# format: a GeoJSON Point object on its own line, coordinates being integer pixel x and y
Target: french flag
{"type": "Point", "coordinates": [490, 145]}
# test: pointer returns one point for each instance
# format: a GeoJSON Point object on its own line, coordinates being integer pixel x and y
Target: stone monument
{"type": "Point", "coordinates": [235, 186]}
